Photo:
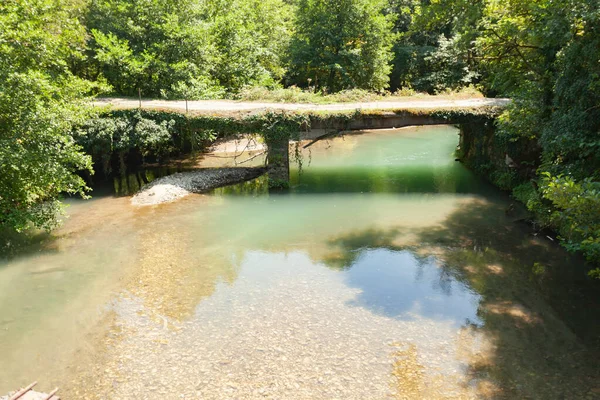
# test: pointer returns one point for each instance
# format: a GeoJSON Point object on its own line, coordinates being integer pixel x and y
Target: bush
{"type": "Point", "coordinates": [39, 104]}
{"type": "Point", "coordinates": [528, 195]}
{"type": "Point", "coordinates": [104, 137]}
{"type": "Point", "coordinates": [576, 213]}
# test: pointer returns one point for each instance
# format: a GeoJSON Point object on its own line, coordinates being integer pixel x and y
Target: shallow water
{"type": "Point", "coordinates": [387, 271]}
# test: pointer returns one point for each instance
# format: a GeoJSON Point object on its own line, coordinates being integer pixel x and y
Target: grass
{"type": "Point", "coordinates": [296, 95]}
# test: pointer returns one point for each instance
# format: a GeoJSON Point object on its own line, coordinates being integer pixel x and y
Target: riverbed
{"type": "Point", "coordinates": [388, 270]}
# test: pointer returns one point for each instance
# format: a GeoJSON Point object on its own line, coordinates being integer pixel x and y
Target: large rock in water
{"type": "Point", "coordinates": [173, 187]}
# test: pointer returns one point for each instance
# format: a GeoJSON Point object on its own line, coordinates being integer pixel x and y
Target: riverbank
{"type": "Point", "coordinates": [173, 187]}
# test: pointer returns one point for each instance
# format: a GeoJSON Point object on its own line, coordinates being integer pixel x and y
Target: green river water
{"type": "Point", "coordinates": [387, 271]}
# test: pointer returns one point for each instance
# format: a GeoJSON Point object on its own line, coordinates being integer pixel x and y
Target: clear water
{"type": "Point", "coordinates": [388, 270]}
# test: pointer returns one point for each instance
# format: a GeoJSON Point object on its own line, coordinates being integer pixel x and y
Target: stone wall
{"type": "Point", "coordinates": [503, 162]}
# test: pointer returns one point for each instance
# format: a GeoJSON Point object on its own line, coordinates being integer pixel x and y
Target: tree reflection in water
{"type": "Point", "coordinates": [543, 324]}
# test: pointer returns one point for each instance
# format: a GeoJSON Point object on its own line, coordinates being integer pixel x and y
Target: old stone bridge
{"type": "Point", "coordinates": [475, 118]}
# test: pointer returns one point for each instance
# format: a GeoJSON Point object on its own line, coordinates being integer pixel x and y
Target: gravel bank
{"type": "Point", "coordinates": [173, 187]}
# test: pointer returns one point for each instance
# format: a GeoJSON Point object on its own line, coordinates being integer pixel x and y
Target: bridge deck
{"type": "Point", "coordinates": [215, 107]}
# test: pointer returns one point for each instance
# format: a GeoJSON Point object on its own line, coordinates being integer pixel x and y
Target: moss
{"type": "Point", "coordinates": [278, 184]}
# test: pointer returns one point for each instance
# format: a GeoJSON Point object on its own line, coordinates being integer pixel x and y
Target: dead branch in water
{"type": "Point", "coordinates": [252, 158]}
{"type": "Point", "coordinates": [328, 134]}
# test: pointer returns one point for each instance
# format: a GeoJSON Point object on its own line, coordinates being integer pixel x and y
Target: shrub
{"type": "Point", "coordinates": [576, 213]}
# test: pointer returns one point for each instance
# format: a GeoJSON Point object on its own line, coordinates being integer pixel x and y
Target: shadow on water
{"type": "Point", "coordinates": [398, 282]}
{"type": "Point", "coordinates": [131, 183]}
{"type": "Point", "coordinates": [14, 245]}
{"type": "Point", "coordinates": [350, 246]}
{"type": "Point", "coordinates": [537, 304]}
{"type": "Point", "coordinates": [255, 187]}
{"type": "Point", "coordinates": [450, 178]}
{"type": "Point", "coordinates": [483, 270]}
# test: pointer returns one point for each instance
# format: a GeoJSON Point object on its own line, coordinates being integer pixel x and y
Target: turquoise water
{"type": "Point", "coordinates": [387, 270]}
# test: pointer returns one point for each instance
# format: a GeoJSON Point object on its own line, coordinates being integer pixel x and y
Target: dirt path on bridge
{"type": "Point", "coordinates": [228, 106]}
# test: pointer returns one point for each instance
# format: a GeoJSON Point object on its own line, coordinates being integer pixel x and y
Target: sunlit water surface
{"type": "Point", "coordinates": [387, 271]}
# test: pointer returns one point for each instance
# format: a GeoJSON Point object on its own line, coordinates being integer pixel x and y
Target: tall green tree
{"type": "Point", "coordinates": [546, 56]}
{"type": "Point", "coordinates": [341, 44]}
{"type": "Point", "coordinates": [39, 97]}
{"type": "Point", "coordinates": [251, 38]}
{"type": "Point", "coordinates": [156, 46]}
{"type": "Point", "coordinates": [434, 51]}
{"type": "Point", "coordinates": [187, 48]}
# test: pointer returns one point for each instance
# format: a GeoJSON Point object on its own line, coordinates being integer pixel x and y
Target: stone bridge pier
{"type": "Point", "coordinates": [278, 160]}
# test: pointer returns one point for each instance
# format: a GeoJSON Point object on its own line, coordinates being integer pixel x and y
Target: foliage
{"type": "Point", "coordinates": [251, 38]}
{"type": "Point", "coordinates": [38, 105]}
{"type": "Point", "coordinates": [117, 140]}
{"type": "Point", "coordinates": [527, 194]}
{"type": "Point", "coordinates": [341, 44]}
{"type": "Point", "coordinates": [186, 49]}
{"type": "Point", "coordinates": [543, 54]}
{"type": "Point", "coordinates": [128, 137]}
{"type": "Point", "coordinates": [575, 212]}
{"type": "Point", "coordinates": [277, 126]}
{"type": "Point", "coordinates": [546, 55]}
{"type": "Point", "coordinates": [103, 137]}
{"type": "Point", "coordinates": [434, 52]}
{"type": "Point", "coordinates": [571, 137]}
{"type": "Point", "coordinates": [449, 68]}
{"type": "Point", "coordinates": [569, 207]}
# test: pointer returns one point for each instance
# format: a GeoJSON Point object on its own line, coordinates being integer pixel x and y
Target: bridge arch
{"type": "Point", "coordinates": [476, 127]}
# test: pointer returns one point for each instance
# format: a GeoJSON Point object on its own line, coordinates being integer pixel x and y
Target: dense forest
{"type": "Point", "coordinates": [543, 54]}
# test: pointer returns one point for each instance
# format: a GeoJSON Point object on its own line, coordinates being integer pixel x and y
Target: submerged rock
{"type": "Point", "coordinates": [173, 187]}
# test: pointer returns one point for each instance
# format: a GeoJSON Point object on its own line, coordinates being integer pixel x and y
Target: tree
{"type": "Point", "coordinates": [435, 50]}
{"type": "Point", "coordinates": [571, 138]}
{"type": "Point", "coordinates": [341, 44]}
{"type": "Point", "coordinates": [38, 106]}
{"type": "Point", "coordinates": [546, 56]}
{"type": "Point", "coordinates": [155, 46]}
{"type": "Point", "coordinates": [251, 37]}
{"type": "Point", "coordinates": [186, 48]}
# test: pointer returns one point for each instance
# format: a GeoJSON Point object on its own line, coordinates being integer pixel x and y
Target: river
{"type": "Point", "coordinates": [387, 271]}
